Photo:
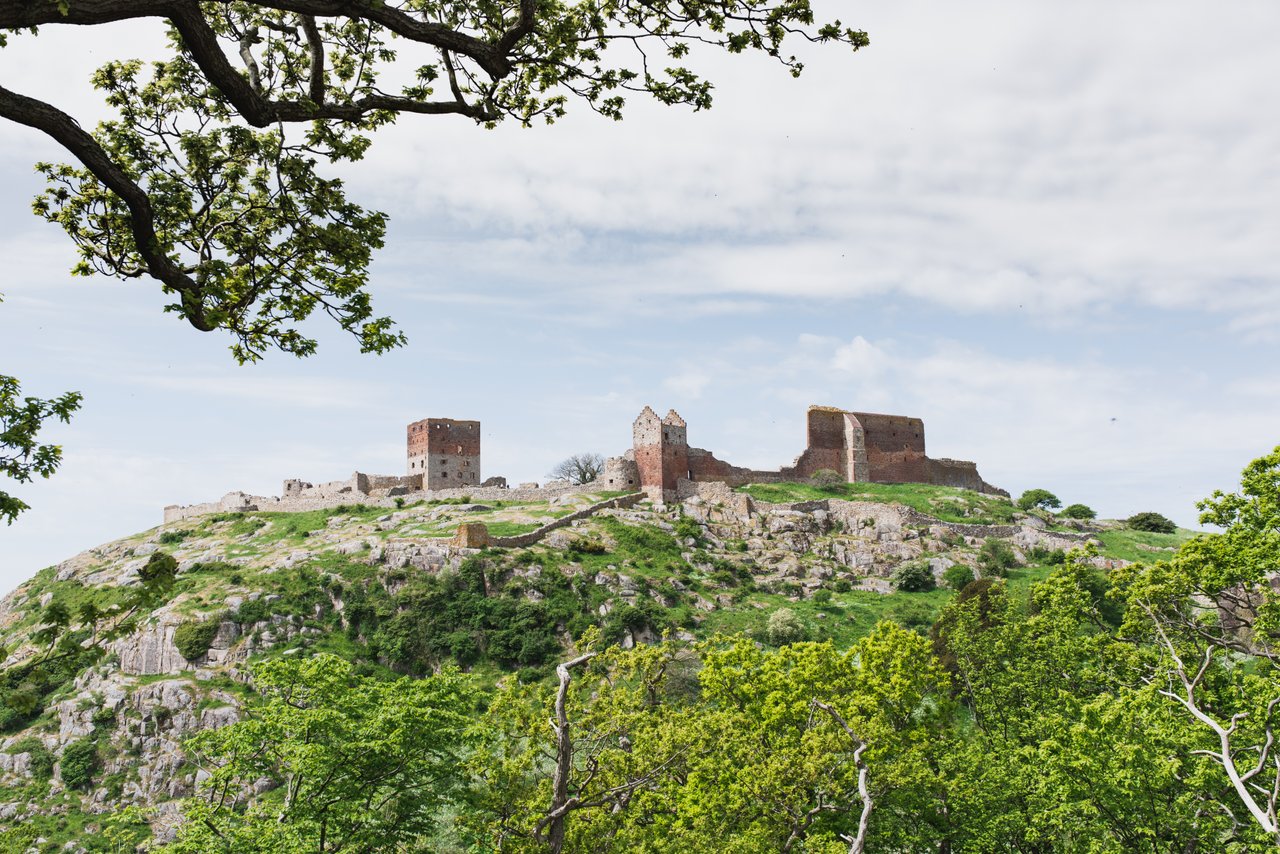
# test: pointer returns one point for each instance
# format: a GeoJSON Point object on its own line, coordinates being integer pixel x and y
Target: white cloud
{"type": "Point", "coordinates": [688, 384]}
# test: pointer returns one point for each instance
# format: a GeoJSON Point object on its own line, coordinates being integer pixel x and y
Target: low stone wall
{"type": "Point", "coordinates": [534, 536]}
{"type": "Point", "coordinates": [240, 502]}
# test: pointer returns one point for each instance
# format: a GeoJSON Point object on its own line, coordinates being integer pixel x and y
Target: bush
{"type": "Point", "coordinates": [79, 763]}
{"type": "Point", "coordinates": [1153, 522]}
{"type": "Point", "coordinates": [687, 527]}
{"type": "Point", "coordinates": [1038, 499]}
{"type": "Point", "coordinates": [1047, 557]}
{"type": "Point", "coordinates": [842, 585]}
{"type": "Point", "coordinates": [996, 558]}
{"type": "Point", "coordinates": [160, 569]}
{"type": "Point", "coordinates": [194, 637]}
{"type": "Point", "coordinates": [822, 597]}
{"type": "Point", "coordinates": [42, 758]}
{"type": "Point", "coordinates": [1079, 511]}
{"type": "Point", "coordinates": [784, 627]}
{"type": "Point", "coordinates": [957, 576]}
{"type": "Point", "coordinates": [913, 577]}
{"type": "Point", "coordinates": [169, 538]}
{"type": "Point", "coordinates": [586, 546]}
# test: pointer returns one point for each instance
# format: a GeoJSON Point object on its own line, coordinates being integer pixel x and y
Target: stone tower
{"type": "Point", "coordinates": [445, 452]}
{"type": "Point", "coordinates": [662, 452]}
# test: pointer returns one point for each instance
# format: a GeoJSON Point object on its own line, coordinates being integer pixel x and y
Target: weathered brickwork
{"type": "Point", "coordinates": [444, 453]}
{"type": "Point", "coordinates": [859, 446]}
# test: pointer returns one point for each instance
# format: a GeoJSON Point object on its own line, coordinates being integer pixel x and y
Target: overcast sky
{"type": "Point", "coordinates": [1050, 230]}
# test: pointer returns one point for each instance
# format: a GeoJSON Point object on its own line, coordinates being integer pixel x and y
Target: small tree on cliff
{"type": "Point", "coordinates": [578, 469]}
{"type": "Point", "coordinates": [1038, 499]}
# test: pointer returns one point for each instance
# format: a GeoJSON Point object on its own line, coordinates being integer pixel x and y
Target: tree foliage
{"type": "Point", "coordinates": [209, 175]}
{"type": "Point", "coordinates": [1152, 522]}
{"type": "Point", "coordinates": [22, 456]}
{"type": "Point", "coordinates": [1212, 614]}
{"type": "Point", "coordinates": [1038, 499]}
{"type": "Point", "coordinates": [353, 763]}
{"type": "Point", "coordinates": [1078, 511]}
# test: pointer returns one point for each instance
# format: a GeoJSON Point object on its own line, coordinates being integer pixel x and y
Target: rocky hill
{"type": "Point", "coordinates": [499, 587]}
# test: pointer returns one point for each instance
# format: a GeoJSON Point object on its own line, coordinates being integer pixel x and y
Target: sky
{"type": "Point", "coordinates": [1047, 229]}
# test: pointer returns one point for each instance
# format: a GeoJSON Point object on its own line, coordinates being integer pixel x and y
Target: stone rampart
{"type": "Point", "coordinates": [239, 502]}
{"type": "Point", "coordinates": [528, 539]}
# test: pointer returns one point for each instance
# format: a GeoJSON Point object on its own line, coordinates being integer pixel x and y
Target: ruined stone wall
{"type": "Point", "coordinates": [445, 452]}
{"type": "Point", "coordinates": [619, 473]}
{"type": "Point", "coordinates": [705, 466]}
{"type": "Point", "coordinates": [960, 473]}
{"type": "Point", "coordinates": [895, 448]}
{"type": "Point", "coordinates": [240, 502]}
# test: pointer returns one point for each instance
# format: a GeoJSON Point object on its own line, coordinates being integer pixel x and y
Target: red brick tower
{"type": "Point", "coordinates": [662, 452]}
{"type": "Point", "coordinates": [445, 452]}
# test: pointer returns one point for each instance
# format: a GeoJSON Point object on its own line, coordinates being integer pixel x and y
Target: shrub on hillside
{"type": "Point", "coordinates": [957, 576]}
{"type": "Point", "coordinates": [1038, 499]}
{"type": "Point", "coordinates": [996, 558]}
{"type": "Point", "coordinates": [194, 637]}
{"type": "Point", "coordinates": [821, 597]}
{"type": "Point", "coordinates": [159, 569]}
{"type": "Point", "coordinates": [913, 577]}
{"type": "Point", "coordinates": [688, 528]}
{"type": "Point", "coordinates": [1079, 511]}
{"type": "Point", "coordinates": [784, 627]}
{"type": "Point", "coordinates": [1047, 557]}
{"type": "Point", "coordinates": [1153, 522]}
{"type": "Point", "coordinates": [42, 758]}
{"type": "Point", "coordinates": [79, 763]}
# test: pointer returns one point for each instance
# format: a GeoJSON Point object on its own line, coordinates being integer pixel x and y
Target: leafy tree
{"type": "Point", "coordinates": [1038, 499]}
{"type": "Point", "coordinates": [356, 763]}
{"type": "Point", "coordinates": [1218, 665]}
{"type": "Point", "coordinates": [914, 576]}
{"type": "Point", "coordinates": [1078, 511]}
{"type": "Point", "coordinates": [1151, 521]}
{"type": "Point", "coordinates": [208, 176]}
{"type": "Point", "coordinates": [578, 469]}
{"type": "Point", "coordinates": [22, 457]}
{"type": "Point", "coordinates": [803, 748]}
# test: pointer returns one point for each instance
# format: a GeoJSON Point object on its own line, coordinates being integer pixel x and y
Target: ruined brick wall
{"type": "Point", "coordinates": [895, 448]}
{"type": "Point", "coordinates": [836, 441]}
{"type": "Point", "coordinates": [445, 452]}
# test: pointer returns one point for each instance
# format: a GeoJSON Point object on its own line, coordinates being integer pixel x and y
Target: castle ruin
{"type": "Point", "coordinates": [443, 458]}
{"type": "Point", "coordinates": [444, 452]}
{"type": "Point", "coordinates": [858, 446]}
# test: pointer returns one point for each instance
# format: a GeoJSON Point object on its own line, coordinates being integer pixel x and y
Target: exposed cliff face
{"type": "Point", "coordinates": [283, 584]}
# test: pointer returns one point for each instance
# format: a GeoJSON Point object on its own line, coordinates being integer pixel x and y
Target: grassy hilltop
{"type": "Point", "coordinates": [386, 591]}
